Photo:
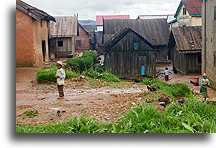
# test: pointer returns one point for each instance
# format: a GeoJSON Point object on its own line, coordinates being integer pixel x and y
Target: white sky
{"type": "Point", "coordinates": [88, 9]}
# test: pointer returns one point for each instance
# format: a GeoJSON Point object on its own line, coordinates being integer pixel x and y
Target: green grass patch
{"type": "Point", "coordinates": [171, 90]}
{"type": "Point", "coordinates": [47, 74]}
{"type": "Point", "coordinates": [103, 76]}
{"type": "Point", "coordinates": [194, 116]}
{"type": "Point", "coordinates": [31, 113]}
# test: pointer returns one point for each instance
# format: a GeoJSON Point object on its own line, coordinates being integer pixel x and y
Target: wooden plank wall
{"type": "Point", "coordinates": [122, 60]}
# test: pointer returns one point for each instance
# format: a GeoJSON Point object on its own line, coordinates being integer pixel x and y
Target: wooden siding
{"type": "Point", "coordinates": [122, 60]}
{"type": "Point", "coordinates": [66, 50]}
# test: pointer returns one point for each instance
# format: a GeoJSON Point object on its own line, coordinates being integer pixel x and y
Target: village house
{"type": "Point", "coordinates": [89, 26]}
{"type": "Point", "coordinates": [82, 39]}
{"type": "Point", "coordinates": [62, 36]}
{"type": "Point", "coordinates": [169, 17]}
{"type": "Point", "coordinates": [156, 31]}
{"type": "Point", "coordinates": [31, 35]}
{"type": "Point", "coordinates": [129, 55]}
{"type": "Point", "coordinates": [209, 39]}
{"type": "Point", "coordinates": [185, 49]}
{"type": "Point", "coordinates": [188, 13]}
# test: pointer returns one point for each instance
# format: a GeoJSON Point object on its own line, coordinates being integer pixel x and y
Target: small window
{"type": "Point", "coordinates": [136, 45]}
{"type": "Point", "coordinates": [41, 23]}
{"type": "Point", "coordinates": [60, 43]}
{"type": "Point", "coordinates": [78, 42]}
{"type": "Point", "coordinates": [142, 60]}
{"type": "Point", "coordinates": [184, 11]}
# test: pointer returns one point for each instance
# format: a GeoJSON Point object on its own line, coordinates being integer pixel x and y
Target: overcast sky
{"type": "Point", "coordinates": [88, 9]}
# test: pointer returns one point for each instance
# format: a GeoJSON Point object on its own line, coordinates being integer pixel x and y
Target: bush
{"type": "Point", "coordinates": [103, 76]}
{"type": "Point", "coordinates": [82, 63]}
{"type": "Point", "coordinates": [47, 74]}
{"type": "Point", "coordinates": [99, 68]}
{"type": "Point", "coordinates": [170, 90]}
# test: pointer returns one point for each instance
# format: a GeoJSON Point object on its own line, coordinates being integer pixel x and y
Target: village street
{"type": "Point", "coordinates": [101, 102]}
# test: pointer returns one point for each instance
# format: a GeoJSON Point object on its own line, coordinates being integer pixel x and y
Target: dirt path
{"type": "Point", "coordinates": [181, 78]}
{"type": "Point", "coordinates": [92, 99]}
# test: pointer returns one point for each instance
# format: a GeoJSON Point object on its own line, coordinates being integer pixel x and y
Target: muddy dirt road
{"type": "Point", "coordinates": [92, 99]}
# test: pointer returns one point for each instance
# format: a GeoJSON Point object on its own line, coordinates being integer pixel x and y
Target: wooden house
{"type": "Point", "coordinates": [31, 35]}
{"type": "Point", "coordinates": [185, 48]}
{"type": "Point", "coordinates": [188, 13]}
{"type": "Point", "coordinates": [62, 36]}
{"type": "Point", "coordinates": [209, 40]}
{"type": "Point", "coordinates": [156, 31]}
{"type": "Point", "coordinates": [82, 39]}
{"type": "Point", "coordinates": [128, 54]}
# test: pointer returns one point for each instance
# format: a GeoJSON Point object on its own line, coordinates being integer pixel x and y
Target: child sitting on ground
{"type": "Point", "coordinates": [60, 76]}
{"type": "Point", "coordinates": [204, 83]}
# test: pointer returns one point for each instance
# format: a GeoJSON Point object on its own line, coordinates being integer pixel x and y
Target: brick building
{"type": "Point", "coordinates": [82, 39]}
{"type": "Point", "coordinates": [31, 35]}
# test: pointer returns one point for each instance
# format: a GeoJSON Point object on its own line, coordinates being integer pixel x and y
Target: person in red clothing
{"type": "Point", "coordinates": [167, 73]}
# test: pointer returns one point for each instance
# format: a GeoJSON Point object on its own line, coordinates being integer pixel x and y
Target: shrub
{"type": "Point", "coordinates": [47, 74]}
{"type": "Point", "coordinates": [99, 68]}
{"type": "Point", "coordinates": [170, 90]}
{"type": "Point", "coordinates": [82, 63]}
{"type": "Point", "coordinates": [103, 76]}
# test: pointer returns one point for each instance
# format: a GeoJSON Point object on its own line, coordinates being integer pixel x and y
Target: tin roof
{"type": "Point", "coordinates": [65, 26]}
{"type": "Point", "coordinates": [99, 19]}
{"type": "Point", "coordinates": [194, 7]}
{"type": "Point", "coordinates": [188, 39]}
{"type": "Point", "coordinates": [33, 12]}
{"type": "Point", "coordinates": [156, 31]}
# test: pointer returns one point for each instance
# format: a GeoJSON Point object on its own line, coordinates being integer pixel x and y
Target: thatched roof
{"type": "Point", "coordinates": [156, 31]}
{"type": "Point", "coordinates": [33, 12]}
{"type": "Point", "coordinates": [65, 26]}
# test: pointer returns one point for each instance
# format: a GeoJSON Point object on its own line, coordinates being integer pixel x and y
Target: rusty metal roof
{"type": "Point", "coordinates": [194, 7]}
{"type": "Point", "coordinates": [188, 39]}
{"type": "Point", "coordinates": [65, 26]}
{"type": "Point", "coordinates": [156, 31]}
{"type": "Point", "coordinates": [33, 12]}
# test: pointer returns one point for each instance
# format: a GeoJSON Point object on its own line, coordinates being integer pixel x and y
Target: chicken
{"type": "Point", "coordinates": [164, 101]}
{"type": "Point", "coordinates": [152, 88]}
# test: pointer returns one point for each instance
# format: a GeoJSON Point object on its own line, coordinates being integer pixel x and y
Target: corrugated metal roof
{"type": "Point", "coordinates": [32, 11]}
{"type": "Point", "coordinates": [156, 31]}
{"type": "Point", "coordinates": [194, 7]}
{"type": "Point", "coordinates": [65, 26]}
{"type": "Point", "coordinates": [188, 39]}
{"type": "Point", "coordinates": [99, 19]}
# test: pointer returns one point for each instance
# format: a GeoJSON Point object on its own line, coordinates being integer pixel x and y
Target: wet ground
{"type": "Point", "coordinates": [104, 103]}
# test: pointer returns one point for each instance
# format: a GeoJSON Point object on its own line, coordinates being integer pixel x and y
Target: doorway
{"type": "Point", "coordinates": [44, 50]}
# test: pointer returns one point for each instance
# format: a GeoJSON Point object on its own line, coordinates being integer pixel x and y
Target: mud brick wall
{"type": "Point", "coordinates": [82, 40]}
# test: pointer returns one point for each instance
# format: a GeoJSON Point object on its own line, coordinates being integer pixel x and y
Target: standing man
{"type": "Point", "coordinates": [60, 76]}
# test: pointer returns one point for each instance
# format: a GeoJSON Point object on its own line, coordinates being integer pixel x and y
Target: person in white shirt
{"type": "Point", "coordinates": [167, 73]}
{"type": "Point", "coordinates": [60, 76]}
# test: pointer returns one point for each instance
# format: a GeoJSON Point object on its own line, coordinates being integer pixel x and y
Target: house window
{"type": "Point", "coordinates": [41, 23]}
{"type": "Point", "coordinates": [60, 43]}
{"type": "Point", "coordinates": [184, 11]}
{"type": "Point", "coordinates": [142, 60]}
{"type": "Point", "coordinates": [136, 45]}
{"type": "Point", "coordinates": [78, 42]}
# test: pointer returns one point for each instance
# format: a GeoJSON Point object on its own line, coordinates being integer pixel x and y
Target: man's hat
{"type": "Point", "coordinates": [59, 62]}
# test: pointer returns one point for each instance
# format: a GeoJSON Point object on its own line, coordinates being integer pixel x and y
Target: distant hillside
{"type": "Point", "coordinates": [87, 22]}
